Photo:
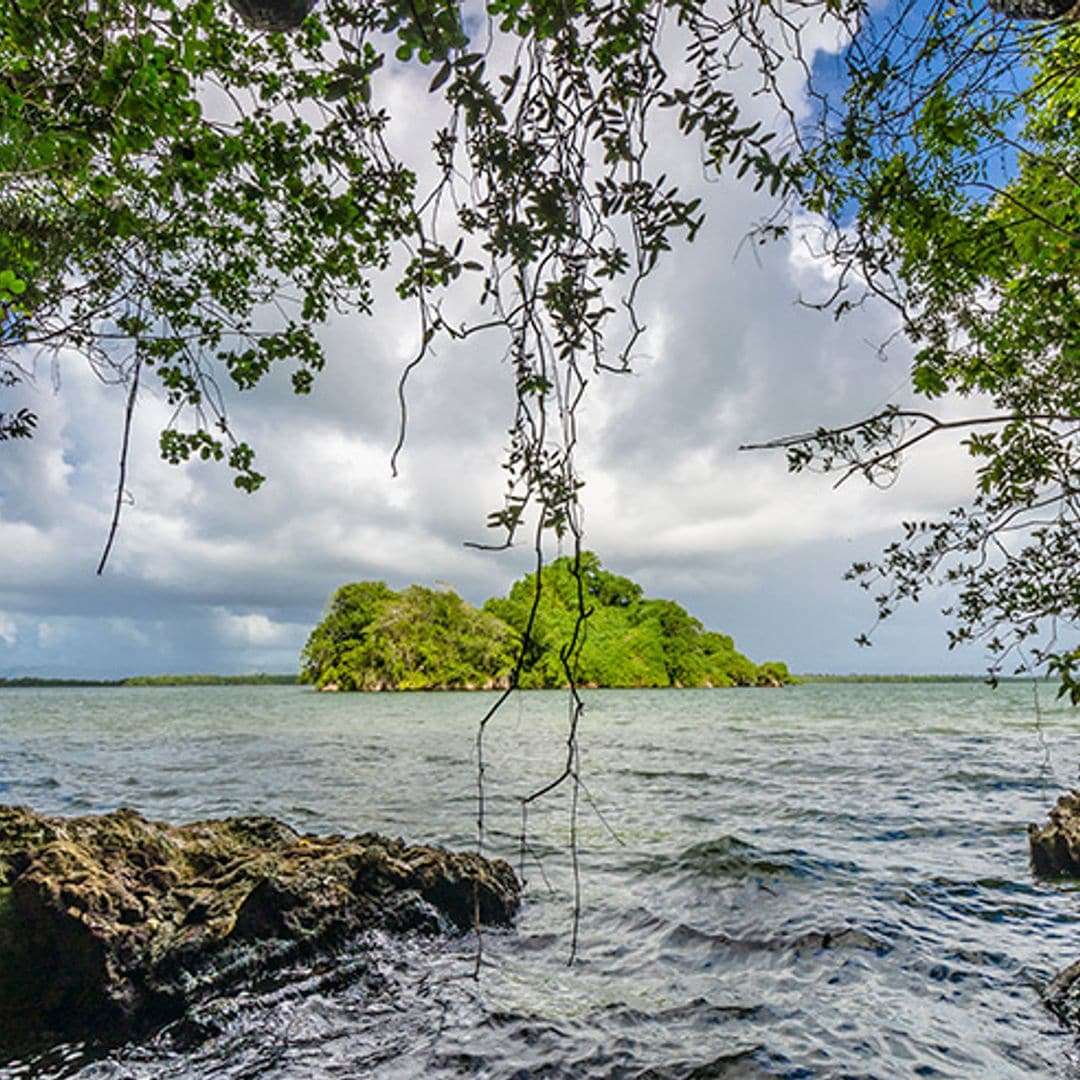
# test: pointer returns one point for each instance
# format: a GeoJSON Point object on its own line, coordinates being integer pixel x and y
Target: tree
{"type": "Point", "coordinates": [626, 639]}
{"type": "Point", "coordinates": [344, 629]}
{"type": "Point", "coordinates": [954, 194]}
{"type": "Point", "coordinates": [372, 638]}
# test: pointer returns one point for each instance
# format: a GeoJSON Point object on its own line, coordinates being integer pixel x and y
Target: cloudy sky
{"type": "Point", "coordinates": [204, 578]}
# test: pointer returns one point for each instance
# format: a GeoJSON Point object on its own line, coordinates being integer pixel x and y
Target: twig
{"type": "Point", "coordinates": [129, 413]}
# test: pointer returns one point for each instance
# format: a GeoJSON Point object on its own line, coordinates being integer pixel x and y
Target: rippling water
{"type": "Point", "coordinates": [829, 880]}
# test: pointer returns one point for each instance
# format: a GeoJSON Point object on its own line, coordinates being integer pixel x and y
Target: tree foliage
{"type": "Point", "coordinates": [952, 191]}
{"type": "Point", "coordinates": [372, 638]}
{"type": "Point", "coordinates": [182, 194]}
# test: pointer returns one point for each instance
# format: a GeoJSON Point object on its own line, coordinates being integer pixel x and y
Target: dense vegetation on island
{"type": "Point", "coordinates": [373, 638]}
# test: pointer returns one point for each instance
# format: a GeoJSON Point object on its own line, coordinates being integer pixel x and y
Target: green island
{"type": "Point", "coordinates": [375, 638]}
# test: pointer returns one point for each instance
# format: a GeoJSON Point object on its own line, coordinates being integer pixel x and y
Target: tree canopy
{"type": "Point", "coordinates": [185, 195]}
{"type": "Point", "coordinates": [373, 638]}
{"type": "Point", "coordinates": [954, 194]}
{"type": "Point", "coordinates": [188, 194]}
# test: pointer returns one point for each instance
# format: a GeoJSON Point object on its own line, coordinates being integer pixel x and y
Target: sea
{"type": "Point", "coordinates": [824, 880]}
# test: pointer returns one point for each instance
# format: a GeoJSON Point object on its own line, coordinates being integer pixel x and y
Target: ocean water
{"type": "Point", "coordinates": [820, 881]}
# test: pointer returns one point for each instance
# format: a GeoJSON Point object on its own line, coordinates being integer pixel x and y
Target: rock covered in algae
{"type": "Point", "coordinates": [112, 924]}
{"type": "Point", "coordinates": [1055, 848]}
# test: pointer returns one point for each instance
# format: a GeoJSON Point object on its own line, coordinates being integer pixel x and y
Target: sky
{"type": "Point", "coordinates": [204, 578]}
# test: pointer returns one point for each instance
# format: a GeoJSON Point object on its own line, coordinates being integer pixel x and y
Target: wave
{"type": "Point", "coordinates": [728, 858]}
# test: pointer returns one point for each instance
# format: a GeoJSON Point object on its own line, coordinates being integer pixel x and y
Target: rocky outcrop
{"type": "Point", "coordinates": [1062, 995]}
{"type": "Point", "coordinates": [1055, 848]}
{"type": "Point", "coordinates": [113, 924]}
{"type": "Point", "coordinates": [1055, 852]}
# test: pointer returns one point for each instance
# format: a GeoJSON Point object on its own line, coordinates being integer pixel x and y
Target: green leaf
{"type": "Point", "coordinates": [440, 77]}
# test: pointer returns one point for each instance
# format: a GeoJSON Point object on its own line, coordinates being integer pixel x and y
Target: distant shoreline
{"type": "Point", "coordinates": [262, 679]}
{"type": "Point", "coordinates": [259, 679]}
{"type": "Point", "coordinates": [909, 678]}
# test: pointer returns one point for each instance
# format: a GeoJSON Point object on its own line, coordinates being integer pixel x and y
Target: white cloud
{"type": "Point", "coordinates": [130, 632]}
{"type": "Point", "coordinates": [52, 632]}
{"type": "Point", "coordinates": [253, 628]}
{"type": "Point", "coordinates": [8, 632]}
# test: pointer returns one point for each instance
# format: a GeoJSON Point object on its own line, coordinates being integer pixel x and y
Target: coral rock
{"type": "Point", "coordinates": [1055, 848]}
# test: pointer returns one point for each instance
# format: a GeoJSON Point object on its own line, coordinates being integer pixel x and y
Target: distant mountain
{"type": "Point", "coordinates": [373, 638]}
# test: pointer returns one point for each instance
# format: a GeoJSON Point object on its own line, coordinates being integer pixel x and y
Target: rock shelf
{"type": "Point", "coordinates": [113, 924]}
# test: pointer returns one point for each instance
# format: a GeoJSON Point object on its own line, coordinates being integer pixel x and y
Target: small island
{"type": "Point", "coordinates": [372, 637]}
